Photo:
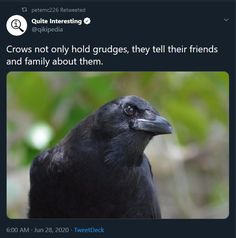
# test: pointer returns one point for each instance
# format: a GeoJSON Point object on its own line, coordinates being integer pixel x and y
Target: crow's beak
{"type": "Point", "coordinates": [158, 125]}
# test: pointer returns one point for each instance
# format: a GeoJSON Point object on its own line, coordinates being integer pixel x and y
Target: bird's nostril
{"type": "Point", "coordinates": [133, 124]}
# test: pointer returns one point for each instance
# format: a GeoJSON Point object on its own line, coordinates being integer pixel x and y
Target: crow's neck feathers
{"type": "Point", "coordinates": [124, 149]}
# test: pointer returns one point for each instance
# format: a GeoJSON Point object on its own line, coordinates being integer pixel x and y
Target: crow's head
{"type": "Point", "coordinates": [129, 123]}
{"type": "Point", "coordinates": [133, 114]}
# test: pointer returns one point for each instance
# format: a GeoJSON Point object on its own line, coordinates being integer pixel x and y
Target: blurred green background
{"type": "Point", "coordinates": [191, 165]}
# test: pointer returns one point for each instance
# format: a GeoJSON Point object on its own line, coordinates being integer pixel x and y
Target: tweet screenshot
{"type": "Point", "coordinates": [117, 119]}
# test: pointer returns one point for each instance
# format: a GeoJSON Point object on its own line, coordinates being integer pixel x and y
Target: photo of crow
{"type": "Point", "coordinates": [99, 170]}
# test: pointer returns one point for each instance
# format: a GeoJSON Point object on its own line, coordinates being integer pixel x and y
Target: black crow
{"type": "Point", "coordinates": [99, 170]}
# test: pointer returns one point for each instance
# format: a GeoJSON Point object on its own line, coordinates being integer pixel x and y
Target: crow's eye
{"type": "Point", "coordinates": [129, 110]}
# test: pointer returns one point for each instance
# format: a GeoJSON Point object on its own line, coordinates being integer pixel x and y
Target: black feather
{"type": "Point", "coordinates": [98, 170]}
